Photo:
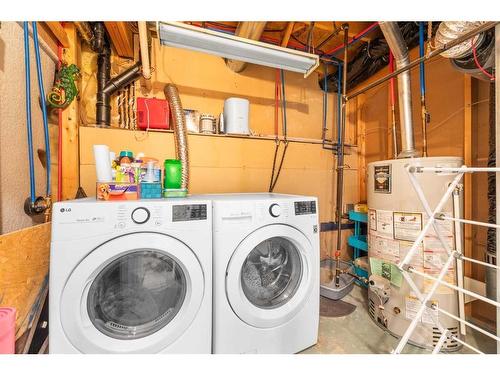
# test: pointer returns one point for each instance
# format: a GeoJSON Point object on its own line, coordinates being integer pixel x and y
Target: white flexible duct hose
{"type": "Point", "coordinates": [451, 30]}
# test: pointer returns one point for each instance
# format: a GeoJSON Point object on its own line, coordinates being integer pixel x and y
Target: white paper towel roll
{"type": "Point", "coordinates": [102, 163]}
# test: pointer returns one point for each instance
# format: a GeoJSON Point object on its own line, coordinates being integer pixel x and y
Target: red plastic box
{"type": "Point", "coordinates": [153, 113]}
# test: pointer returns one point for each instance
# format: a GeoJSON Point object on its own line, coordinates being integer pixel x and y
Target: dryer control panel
{"type": "Point", "coordinates": [305, 208]}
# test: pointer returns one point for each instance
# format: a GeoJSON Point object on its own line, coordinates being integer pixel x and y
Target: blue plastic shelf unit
{"type": "Point", "coordinates": [358, 241]}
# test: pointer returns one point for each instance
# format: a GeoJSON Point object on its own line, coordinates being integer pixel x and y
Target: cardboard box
{"type": "Point", "coordinates": [117, 191]}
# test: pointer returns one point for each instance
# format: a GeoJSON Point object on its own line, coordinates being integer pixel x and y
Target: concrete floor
{"type": "Point", "coordinates": [358, 334]}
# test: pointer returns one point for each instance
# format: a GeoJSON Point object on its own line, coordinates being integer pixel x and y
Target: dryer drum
{"type": "Point", "coordinates": [271, 273]}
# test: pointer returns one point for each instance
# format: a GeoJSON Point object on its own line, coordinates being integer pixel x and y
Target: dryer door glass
{"type": "Point", "coordinates": [136, 294]}
{"type": "Point", "coordinates": [271, 273]}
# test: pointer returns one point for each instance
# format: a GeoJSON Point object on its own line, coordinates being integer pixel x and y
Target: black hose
{"type": "Point", "coordinates": [274, 179]}
{"type": "Point", "coordinates": [274, 165]}
{"type": "Point", "coordinates": [279, 167]}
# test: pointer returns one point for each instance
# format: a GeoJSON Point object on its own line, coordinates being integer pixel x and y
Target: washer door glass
{"type": "Point", "coordinates": [136, 294]}
{"type": "Point", "coordinates": [271, 273]}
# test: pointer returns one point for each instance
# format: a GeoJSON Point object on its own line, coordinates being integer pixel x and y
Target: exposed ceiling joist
{"type": "Point", "coordinates": [121, 37]}
{"type": "Point", "coordinates": [58, 30]}
{"type": "Point", "coordinates": [288, 33]}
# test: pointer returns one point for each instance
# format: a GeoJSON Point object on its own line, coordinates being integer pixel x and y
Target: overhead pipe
{"type": "Point", "coordinates": [393, 108]}
{"type": "Point", "coordinates": [397, 44]}
{"type": "Point", "coordinates": [429, 56]}
{"type": "Point", "coordinates": [329, 142]}
{"type": "Point", "coordinates": [353, 40]}
{"type": "Point", "coordinates": [144, 47]}
{"type": "Point", "coordinates": [85, 30]}
{"type": "Point", "coordinates": [424, 113]}
{"type": "Point", "coordinates": [107, 86]}
{"type": "Point", "coordinates": [247, 30]}
{"type": "Point", "coordinates": [180, 132]}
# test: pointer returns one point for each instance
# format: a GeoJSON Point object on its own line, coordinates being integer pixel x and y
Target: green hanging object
{"type": "Point", "coordinates": [64, 90]}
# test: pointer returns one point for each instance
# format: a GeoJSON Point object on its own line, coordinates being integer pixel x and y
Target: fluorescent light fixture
{"type": "Point", "coordinates": [181, 35]}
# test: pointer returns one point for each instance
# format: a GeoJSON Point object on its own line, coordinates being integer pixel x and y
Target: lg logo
{"type": "Point", "coordinates": [65, 209]}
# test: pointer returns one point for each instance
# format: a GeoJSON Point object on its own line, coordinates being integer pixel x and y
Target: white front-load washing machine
{"type": "Point", "coordinates": [266, 273]}
{"type": "Point", "coordinates": [131, 277]}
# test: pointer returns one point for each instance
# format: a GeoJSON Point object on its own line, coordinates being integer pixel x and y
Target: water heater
{"type": "Point", "coordinates": [395, 218]}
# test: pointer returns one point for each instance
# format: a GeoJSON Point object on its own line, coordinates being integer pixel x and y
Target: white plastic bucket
{"type": "Point", "coordinates": [236, 116]}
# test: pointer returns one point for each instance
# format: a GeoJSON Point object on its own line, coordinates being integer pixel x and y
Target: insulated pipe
{"type": "Point", "coordinates": [247, 30]}
{"type": "Point", "coordinates": [85, 31]}
{"type": "Point", "coordinates": [143, 43]}
{"type": "Point", "coordinates": [397, 44]}
{"type": "Point", "coordinates": [180, 131]}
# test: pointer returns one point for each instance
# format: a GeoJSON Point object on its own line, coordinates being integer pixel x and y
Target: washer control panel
{"type": "Point", "coordinates": [189, 212]}
{"type": "Point", "coordinates": [140, 215]}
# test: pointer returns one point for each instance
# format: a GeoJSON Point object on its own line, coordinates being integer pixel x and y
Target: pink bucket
{"type": "Point", "coordinates": [7, 330]}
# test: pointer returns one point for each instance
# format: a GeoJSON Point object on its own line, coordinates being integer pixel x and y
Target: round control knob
{"type": "Point", "coordinates": [275, 210]}
{"type": "Point", "coordinates": [140, 215]}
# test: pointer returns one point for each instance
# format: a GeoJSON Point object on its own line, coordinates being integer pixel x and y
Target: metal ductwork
{"type": "Point", "coordinates": [399, 49]}
{"type": "Point", "coordinates": [180, 131]}
{"type": "Point", "coordinates": [247, 30]}
{"type": "Point", "coordinates": [462, 56]}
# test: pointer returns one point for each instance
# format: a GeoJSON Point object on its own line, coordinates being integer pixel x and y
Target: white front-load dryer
{"type": "Point", "coordinates": [131, 277]}
{"type": "Point", "coordinates": [266, 273]}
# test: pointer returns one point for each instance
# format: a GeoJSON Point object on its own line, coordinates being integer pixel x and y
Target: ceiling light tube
{"type": "Point", "coordinates": [181, 35]}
